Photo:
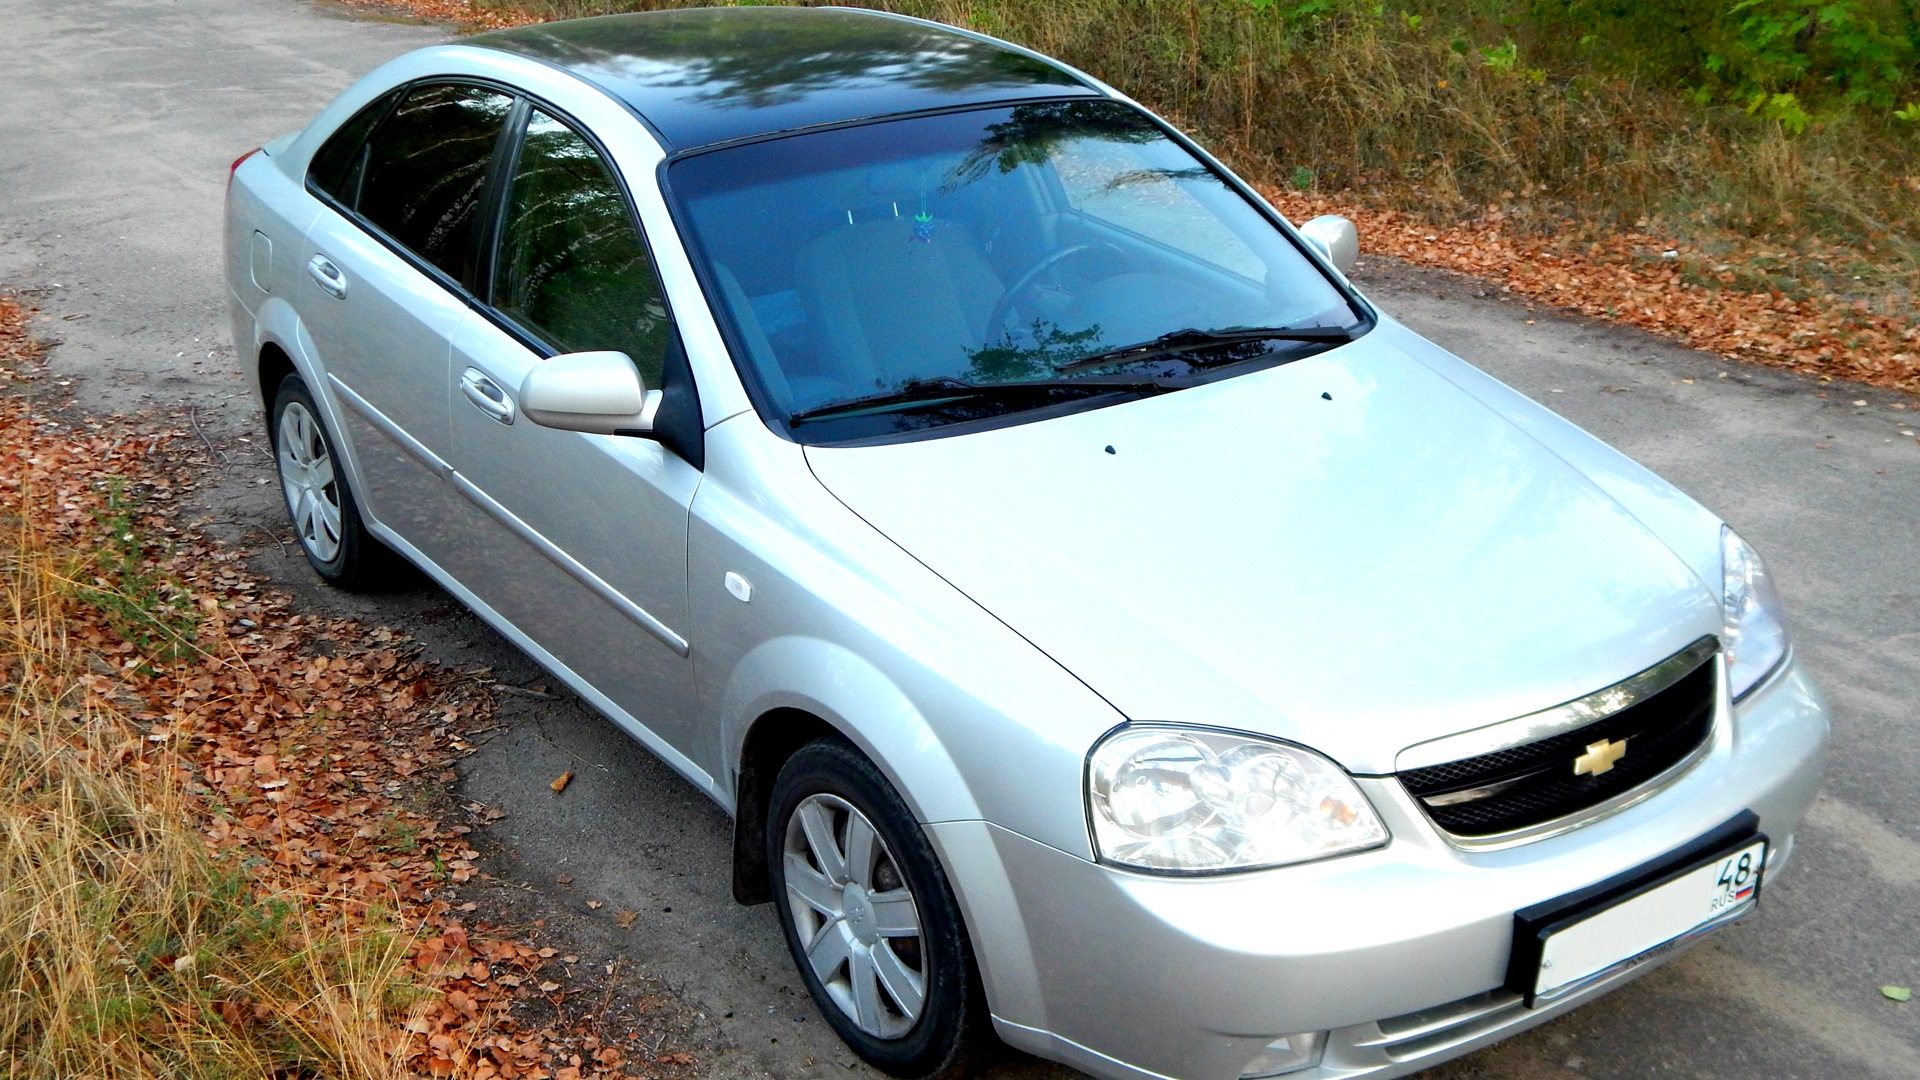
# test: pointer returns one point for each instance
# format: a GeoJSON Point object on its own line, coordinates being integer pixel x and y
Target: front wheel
{"type": "Point", "coordinates": [869, 916]}
{"type": "Point", "coordinates": [319, 500]}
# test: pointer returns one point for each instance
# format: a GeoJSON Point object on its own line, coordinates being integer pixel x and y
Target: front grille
{"type": "Point", "coordinates": [1528, 785]}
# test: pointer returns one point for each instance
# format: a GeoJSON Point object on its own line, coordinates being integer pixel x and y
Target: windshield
{"type": "Point", "coordinates": [1042, 243]}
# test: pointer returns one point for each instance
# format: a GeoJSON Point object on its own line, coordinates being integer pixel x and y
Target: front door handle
{"type": "Point", "coordinates": [486, 395]}
{"type": "Point", "coordinates": [327, 276]}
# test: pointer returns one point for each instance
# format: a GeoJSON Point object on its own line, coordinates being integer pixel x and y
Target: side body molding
{"type": "Point", "coordinates": [569, 564]}
{"type": "Point", "coordinates": [519, 528]}
{"type": "Point", "coordinates": [626, 721]}
{"type": "Point", "coordinates": [391, 430]}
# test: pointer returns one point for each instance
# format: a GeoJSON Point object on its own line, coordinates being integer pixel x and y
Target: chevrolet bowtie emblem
{"type": "Point", "coordinates": [1599, 757]}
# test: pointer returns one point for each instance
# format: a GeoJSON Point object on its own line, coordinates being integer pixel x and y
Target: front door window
{"type": "Point", "coordinates": [572, 267]}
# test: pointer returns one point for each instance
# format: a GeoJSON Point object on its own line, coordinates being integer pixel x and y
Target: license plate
{"type": "Point", "coordinates": [1633, 920]}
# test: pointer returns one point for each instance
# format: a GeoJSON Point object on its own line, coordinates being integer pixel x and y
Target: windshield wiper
{"type": "Point", "coordinates": [916, 391]}
{"type": "Point", "coordinates": [1193, 338]}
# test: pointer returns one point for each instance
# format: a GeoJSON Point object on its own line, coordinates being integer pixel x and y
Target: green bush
{"type": "Point", "coordinates": [1830, 52]}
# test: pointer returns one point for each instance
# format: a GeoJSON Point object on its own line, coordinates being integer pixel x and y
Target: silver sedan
{"type": "Point", "coordinates": [1108, 630]}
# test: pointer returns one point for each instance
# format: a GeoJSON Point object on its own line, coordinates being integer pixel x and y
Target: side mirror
{"type": "Point", "coordinates": [1336, 238]}
{"type": "Point", "coordinates": [596, 392]}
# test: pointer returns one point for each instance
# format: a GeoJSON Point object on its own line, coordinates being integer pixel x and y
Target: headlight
{"type": "Point", "coordinates": [1756, 631]}
{"type": "Point", "coordinates": [1190, 800]}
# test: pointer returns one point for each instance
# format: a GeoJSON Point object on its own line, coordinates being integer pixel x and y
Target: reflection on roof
{"type": "Point", "coordinates": [711, 75]}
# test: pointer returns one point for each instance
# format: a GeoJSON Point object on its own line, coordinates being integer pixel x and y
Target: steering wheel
{"type": "Point", "coordinates": [997, 321]}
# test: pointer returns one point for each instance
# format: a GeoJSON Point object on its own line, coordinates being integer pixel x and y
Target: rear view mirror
{"type": "Point", "coordinates": [596, 392]}
{"type": "Point", "coordinates": [1336, 238]}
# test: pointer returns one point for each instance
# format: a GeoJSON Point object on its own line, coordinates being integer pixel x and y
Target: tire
{"type": "Point", "coordinates": [320, 503]}
{"type": "Point", "coordinates": [868, 933]}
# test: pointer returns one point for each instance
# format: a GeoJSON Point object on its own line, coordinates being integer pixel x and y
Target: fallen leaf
{"type": "Point", "coordinates": [302, 738]}
{"type": "Point", "coordinates": [560, 784]}
{"type": "Point", "coordinates": [1897, 993]}
{"type": "Point", "coordinates": [595, 905]}
{"type": "Point", "coordinates": [625, 919]}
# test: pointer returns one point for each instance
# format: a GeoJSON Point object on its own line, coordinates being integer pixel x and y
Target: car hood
{"type": "Point", "coordinates": [1348, 551]}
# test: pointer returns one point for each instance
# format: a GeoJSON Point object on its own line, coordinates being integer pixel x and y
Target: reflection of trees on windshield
{"type": "Point", "coordinates": [1154, 176]}
{"type": "Point", "coordinates": [1031, 133]}
{"type": "Point", "coordinates": [1052, 348]}
{"type": "Point", "coordinates": [740, 59]}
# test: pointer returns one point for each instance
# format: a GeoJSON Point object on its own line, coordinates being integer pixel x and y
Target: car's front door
{"type": "Point", "coordinates": [383, 284]}
{"type": "Point", "coordinates": [584, 543]}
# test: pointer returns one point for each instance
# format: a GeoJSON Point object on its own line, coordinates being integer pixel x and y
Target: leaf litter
{"type": "Point", "coordinates": [1613, 276]}
{"type": "Point", "coordinates": [307, 742]}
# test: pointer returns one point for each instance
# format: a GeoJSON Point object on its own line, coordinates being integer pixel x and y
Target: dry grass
{"type": "Point", "coordinates": [219, 852]}
{"type": "Point", "coordinates": [128, 948]}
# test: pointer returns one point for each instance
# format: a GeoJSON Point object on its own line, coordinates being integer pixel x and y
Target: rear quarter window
{"type": "Point", "coordinates": [339, 164]}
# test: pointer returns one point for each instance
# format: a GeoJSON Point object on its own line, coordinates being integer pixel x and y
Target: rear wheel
{"type": "Point", "coordinates": [320, 502]}
{"type": "Point", "coordinates": [869, 916]}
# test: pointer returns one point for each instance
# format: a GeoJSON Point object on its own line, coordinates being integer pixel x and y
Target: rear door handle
{"type": "Point", "coordinates": [486, 395]}
{"type": "Point", "coordinates": [327, 276]}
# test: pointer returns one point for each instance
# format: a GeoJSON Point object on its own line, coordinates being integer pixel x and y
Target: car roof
{"type": "Point", "coordinates": [706, 75]}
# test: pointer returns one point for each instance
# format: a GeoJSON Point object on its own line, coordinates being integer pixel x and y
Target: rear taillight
{"type": "Point", "coordinates": [235, 167]}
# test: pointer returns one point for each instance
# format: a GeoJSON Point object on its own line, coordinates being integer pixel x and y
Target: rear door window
{"type": "Point", "coordinates": [426, 170]}
{"type": "Point", "coordinates": [572, 267]}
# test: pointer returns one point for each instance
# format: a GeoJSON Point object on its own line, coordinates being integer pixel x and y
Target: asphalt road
{"type": "Point", "coordinates": [120, 118]}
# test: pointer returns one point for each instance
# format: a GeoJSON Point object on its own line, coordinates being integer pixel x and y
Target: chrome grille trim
{"type": "Point", "coordinates": [1546, 723]}
{"type": "Point", "coordinates": [1592, 813]}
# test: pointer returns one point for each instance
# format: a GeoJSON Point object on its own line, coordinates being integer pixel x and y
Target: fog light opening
{"type": "Point", "coordinates": [1286, 1054]}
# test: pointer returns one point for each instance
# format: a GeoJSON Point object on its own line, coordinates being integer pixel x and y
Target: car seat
{"type": "Point", "coordinates": [897, 292]}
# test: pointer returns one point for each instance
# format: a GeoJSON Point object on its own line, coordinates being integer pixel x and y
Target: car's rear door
{"type": "Point", "coordinates": [585, 536]}
{"type": "Point", "coordinates": [384, 284]}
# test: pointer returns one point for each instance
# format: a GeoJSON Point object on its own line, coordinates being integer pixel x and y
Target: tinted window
{"type": "Point", "coordinates": [1003, 245]}
{"type": "Point", "coordinates": [337, 167]}
{"type": "Point", "coordinates": [572, 267]}
{"type": "Point", "coordinates": [426, 168]}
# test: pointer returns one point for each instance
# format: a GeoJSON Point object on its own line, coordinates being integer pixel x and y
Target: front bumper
{"type": "Point", "coordinates": [1398, 952]}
